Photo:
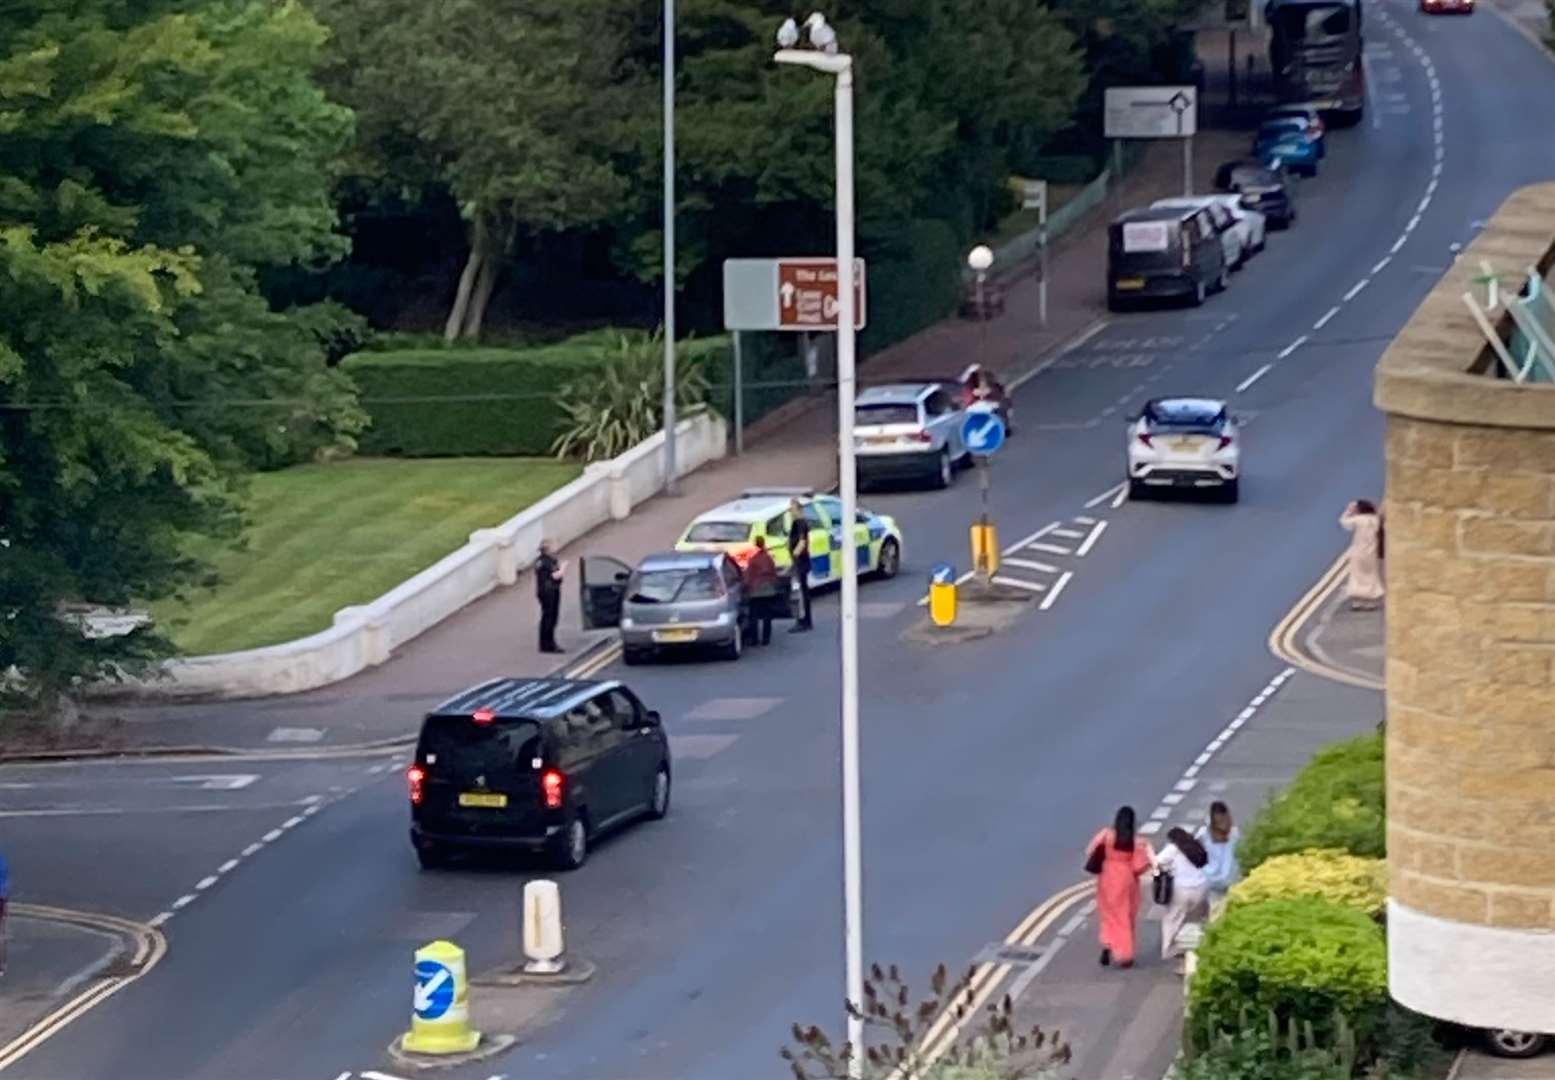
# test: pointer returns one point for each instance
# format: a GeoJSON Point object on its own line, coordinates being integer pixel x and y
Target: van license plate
{"type": "Point", "coordinates": [483, 799]}
{"type": "Point", "coordinates": [1130, 283]}
{"type": "Point", "coordinates": [684, 634]}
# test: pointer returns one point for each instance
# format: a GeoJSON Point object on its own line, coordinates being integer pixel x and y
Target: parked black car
{"type": "Point", "coordinates": [1271, 192]}
{"type": "Point", "coordinates": [540, 765]}
{"type": "Point", "coordinates": [1165, 253]}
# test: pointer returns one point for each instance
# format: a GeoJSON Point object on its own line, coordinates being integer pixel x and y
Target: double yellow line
{"type": "Point", "coordinates": [988, 976]}
{"type": "Point", "coordinates": [147, 947]}
{"type": "Point", "coordinates": [1285, 640]}
{"type": "Point", "coordinates": [592, 665]}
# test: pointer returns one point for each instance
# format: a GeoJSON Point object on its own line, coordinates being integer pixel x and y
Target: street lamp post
{"type": "Point", "coordinates": [671, 486]}
{"type": "Point", "coordinates": [826, 58]}
{"type": "Point", "coordinates": [980, 259]}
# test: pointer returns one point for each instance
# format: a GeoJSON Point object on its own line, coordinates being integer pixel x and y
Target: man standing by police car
{"type": "Point", "coordinates": [548, 590]}
{"type": "Point", "coordinates": [799, 548]}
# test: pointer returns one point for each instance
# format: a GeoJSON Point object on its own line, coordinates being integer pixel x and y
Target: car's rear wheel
{"type": "Point", "coordinates": [946, 471]}
{"type": "Point", "coordinates": [890, 560]}
{"type": "Point", "coordinates": [1504, 1042]}
{"type": "Point", "coordinates": [659, 799]}
{"type": "Point", "coordinates": [431, 857]}
{"type": "Point", "coordinates": [1137, 491]}
{"type": "Point", "coordinates": [572, 850]}
{"type": "Point", "coordinates": [1230, 491]}
{"type": "Point", "coordinates": [735, 645]}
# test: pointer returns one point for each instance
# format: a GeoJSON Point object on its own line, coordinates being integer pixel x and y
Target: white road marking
{"type": "Point", "coordinates": [161, 917]}
{"type": "Point", "coordinates": [1053, 549]}
{"type": "Point", "coordinates": [292, 822]}
{"type": "Point", "coordinates": [1150, 828]}
{"type": "Point", "coordinates": [1355, 290]}
{"type": "Point", "coordinates": [378, 1076]}
{"type": "Point", "coordinates": [309, 800]}
{"type": "Point", "coordinates": [1425, 204]}
{"type": "Point", "coordinates": [1398, 244]}
{"type": "Point", "coordinates": [1292, 347]}
{"type": "Point", "coordinates": [1031, 564]}
{"type": "Point", "coordinates": [310, 811]}
{"type": "Point", "coordinates": [1068, 534]}
{"type": "Point", "coordinates": [1090, 541]}
{"type": "Point", "coordinates": [271, 837]}
{"type": "Point", "coordinates": [1381, 264]}
{"type": "Point", "coordinates": [184, 901]}
{"type": "Point", "coordinates": [1161, 813]}
{"type": "Point", "coordinates": [1254, 377]}
{"type": "Point", "coordinates": [1203, 759]}
{"type": "Point", "coordinates": [1186, 785]}
{"type": "Point", "coordinates": [1083, 520]}
{"type": "Point", "coordinates": [1051, 598]}
{"type": "Point", "coordinates": [1104, 496]}
{"type": "Point", "coordinates": [205, 883]}
{"type": "Point", "coordinates": [1017, 583]}
{"type": "Point", "coordinates": [1021, 380]}
{"type": "Point", "coordinates": [1190, 772]}
{"type": "Point", "coordinates": [1039, 534]}
{"type": "Point", "coordinates": [250, 850]}
{"type": "Point", "coordinates": [1121, 497]}
{"type": "Point", "coordinates": [227, 867]}
{"type": "Point", "coordinates": [1326, 317]}
{"type": "Point", "coordinates": [1173, 799]}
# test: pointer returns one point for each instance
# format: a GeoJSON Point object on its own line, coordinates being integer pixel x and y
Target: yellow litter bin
{"type": "Point", "coordinates": [440, 1022]}
{"type": "Point", "coordinates": [942, 595]}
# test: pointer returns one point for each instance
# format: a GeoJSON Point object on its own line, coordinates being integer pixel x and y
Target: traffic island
{"type": "Point", "coordinates": [486, 1046]}
{"type": "Point", "coordinates": [982, 608]}
{"type": "Point", "coordinates": [575, 973]}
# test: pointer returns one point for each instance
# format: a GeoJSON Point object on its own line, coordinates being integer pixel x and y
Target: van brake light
{"type": "Point", "coordinates": [551, 788]}
{"type": "Point", "coordinates": [416, 777]}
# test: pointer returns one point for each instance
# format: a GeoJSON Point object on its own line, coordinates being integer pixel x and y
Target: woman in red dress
{"type": "Point", "coordinates": [1125, 858]}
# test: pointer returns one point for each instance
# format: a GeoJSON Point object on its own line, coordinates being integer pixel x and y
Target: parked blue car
{"type": "Point", "coordinates": [1291, 142]}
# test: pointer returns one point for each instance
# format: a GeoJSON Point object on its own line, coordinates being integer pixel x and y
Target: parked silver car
{"type": "Point", "coordinates": [909, 431]}
{"type": "Point", "coordinates": [676, 600]}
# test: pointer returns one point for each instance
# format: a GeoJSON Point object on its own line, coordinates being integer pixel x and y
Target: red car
{"type": "Point", "coordinates": [978, 384]}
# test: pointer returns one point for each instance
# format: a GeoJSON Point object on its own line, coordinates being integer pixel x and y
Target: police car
{"type": "Point", "coordinates": [734, 526]}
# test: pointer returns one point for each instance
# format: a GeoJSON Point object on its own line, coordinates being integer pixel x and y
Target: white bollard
{"type": "Point", "coordinates": [543, 928]}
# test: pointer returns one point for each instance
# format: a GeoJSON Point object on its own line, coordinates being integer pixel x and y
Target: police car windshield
{"type": "Point", "coordinates": [718, 532]}
{"type": "Point", "coordinates": [673, 586]}
{"type": "Point", "coordinates": [873, 415]}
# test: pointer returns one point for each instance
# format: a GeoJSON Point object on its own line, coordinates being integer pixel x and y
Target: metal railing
{"type": "Point", "coordinates": [1526, 353]}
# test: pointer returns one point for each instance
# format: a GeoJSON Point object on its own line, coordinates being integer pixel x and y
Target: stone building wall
{"type": "Point", "coordinates": [1471, 653]}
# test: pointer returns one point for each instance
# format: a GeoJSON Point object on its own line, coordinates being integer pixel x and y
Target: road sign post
{"type": "Point", "coordinates": [1036, 199]}
{"type": "Point", "coordinates": [982, 433]}
{"type": "Point", "coordinates": [1155, 112]}
{"type": "Point", "coordinates": [440, 1020]}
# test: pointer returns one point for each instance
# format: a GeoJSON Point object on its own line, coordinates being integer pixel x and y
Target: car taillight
{"type": "Point", "coordinates": [1145, 439]}
{"type": "Point", "coordinates": [1225, 441]}
{"type": "Point", "coordinates": [551, 789]}
{"type": "Point", "coordinates": [922, 436]}
{"type": "Point", "coordinates": [483, 716]}
{"type": "Point", "coordinates": [416, 776]}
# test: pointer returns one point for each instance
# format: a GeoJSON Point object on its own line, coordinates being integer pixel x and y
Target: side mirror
{"type": "Point", "coordinates": [653, 718]}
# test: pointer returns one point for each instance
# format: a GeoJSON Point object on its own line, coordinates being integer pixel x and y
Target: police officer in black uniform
{"type": "Point", "coordinates": [799, 548]}
{"type": "Point", "coordinates": [548, 590]}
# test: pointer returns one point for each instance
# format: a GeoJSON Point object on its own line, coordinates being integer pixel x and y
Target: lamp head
{"type": "Point", "coordinates": [980, 258]}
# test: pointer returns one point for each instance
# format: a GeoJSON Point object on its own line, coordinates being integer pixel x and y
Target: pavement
{"type": "Point", "coordinates": [986, 765]}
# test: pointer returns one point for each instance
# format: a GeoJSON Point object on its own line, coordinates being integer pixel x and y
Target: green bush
{"type": "Point", "coordinates": [1302, 960]}
{"type": "Point", "coordinates": [1352, 881]}
{"type": "Point", "coordinates": [1251, 1055]}
{"type": "Point", "coordinates": [469, 402]}
{"type": "Point", "coordinates": [612, 410]}
{"type": "Point", "coordinates": [1063, 168]}
{"type": "Point", "coordinates": [1337, 801]}
{"type": "Point", "coordinates": [913, 280]}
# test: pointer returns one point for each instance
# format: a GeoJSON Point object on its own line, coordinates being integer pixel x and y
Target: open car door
{"type": "Point", "coordinates": [602, 590]}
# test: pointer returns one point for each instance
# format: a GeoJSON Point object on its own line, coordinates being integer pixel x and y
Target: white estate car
{"type": "Point", "coordinates": [1243, 229]}
{"type": "Point", "coordinates": [1184, 443]}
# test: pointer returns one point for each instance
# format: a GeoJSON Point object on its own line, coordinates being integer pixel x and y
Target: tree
{"type": "Point", "coordinates": [155, 157]}
{"type": "Point", "coordinates": [513, 106]}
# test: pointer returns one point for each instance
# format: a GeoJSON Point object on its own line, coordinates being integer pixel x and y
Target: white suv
{"type": "Point", "coordinates": [1184, 443]}
{"type": "Point", "coordinates": [908, 431]}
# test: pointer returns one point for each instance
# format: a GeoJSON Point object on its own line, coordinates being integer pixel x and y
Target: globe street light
{"type": "Point", "coordinates": [824, 56]}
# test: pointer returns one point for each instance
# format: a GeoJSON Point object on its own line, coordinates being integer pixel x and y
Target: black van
{"type": "Point", "coordinates": [542, 765]}
{"type": "Point", "coordinates": [1166, 253]}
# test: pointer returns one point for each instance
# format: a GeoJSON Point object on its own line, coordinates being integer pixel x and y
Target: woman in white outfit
{"type": "Point", "coordinates": [1364, 559]}
{"type": "Point", "coordinates": [1184, 858]}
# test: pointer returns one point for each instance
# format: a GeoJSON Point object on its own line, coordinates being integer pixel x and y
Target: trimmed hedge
{"type": "Point", "coordinates": [1337, 801]}
{"type": "Point", "coordinates": [1336, 876]}
{"type": "Point", "coordinates": [1304, 959]}
{"type": "Point", "coordinates": [473, 402]}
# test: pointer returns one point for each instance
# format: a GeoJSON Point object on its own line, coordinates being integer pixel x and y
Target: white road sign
{"type": "Point", "coordinates": [1151, 112]}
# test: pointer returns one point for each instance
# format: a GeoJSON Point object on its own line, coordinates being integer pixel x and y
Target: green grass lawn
{"type": "Point", "coordinates": [324, 537]}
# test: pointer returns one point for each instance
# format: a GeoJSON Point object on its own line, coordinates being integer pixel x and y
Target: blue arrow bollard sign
{"type": "Point", "coordinates": [434, 989]}
{"type": "Point", "coordinates": [982, 432]}
{"type": "Point", "coordinates": [943, 574]}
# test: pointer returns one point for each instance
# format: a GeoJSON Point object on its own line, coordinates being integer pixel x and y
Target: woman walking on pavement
{"type": "Point", "coordinates": [1119, 859]}
{"type": "Point", "coordinates": [1364, 558]}
{"type": "Point", "coordinates": [1184, 858]}
{"type": "Point", "coordinates": [1220, 838]}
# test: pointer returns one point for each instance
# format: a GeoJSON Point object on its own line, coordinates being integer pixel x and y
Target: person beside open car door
{"type": "Point", "coordinates": [761, 585]}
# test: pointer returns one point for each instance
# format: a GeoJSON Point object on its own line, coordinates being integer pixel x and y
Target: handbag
{"type": "Point", "coordinates": [1161, 887]}
{"type": "Point", "coordinates": [1093, 862]}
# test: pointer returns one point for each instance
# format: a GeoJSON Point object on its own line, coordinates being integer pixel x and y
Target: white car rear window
{"type": "Point", "coordinates": [1141, 236]}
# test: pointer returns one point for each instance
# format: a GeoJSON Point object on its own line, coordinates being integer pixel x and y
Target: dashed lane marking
{"type": "Point", "coordinates": [1090, 540]}
{"type": "Point", "coordinates": [1052, 597]}
{"type": "Point", "coordinates": [1326, 317]}
{"type": "Point", "coordinates": [1292, 347]}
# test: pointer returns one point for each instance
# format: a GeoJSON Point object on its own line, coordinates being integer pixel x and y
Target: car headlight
{"type": "Point", "coordinates": [627, 623]}
{"type": "Point", "coordinates": [723, 618]}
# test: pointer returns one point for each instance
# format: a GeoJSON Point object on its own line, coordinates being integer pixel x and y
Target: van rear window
{"type": "Point", "coordinates": [1146, 236]}
{"type": "Point", "coordinates": [459, 742]}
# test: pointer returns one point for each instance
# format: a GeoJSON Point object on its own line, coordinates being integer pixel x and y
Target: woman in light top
{"type": "Point", "coordinates": [1363, 560]}
{"type": "Point", "coordinates": [1184, 858]}
{"type": "Point", "coordinates": [1220, 838]}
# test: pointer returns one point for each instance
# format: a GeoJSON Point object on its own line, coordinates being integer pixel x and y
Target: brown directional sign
{"type": "Point", "coordinates": [807, 294]}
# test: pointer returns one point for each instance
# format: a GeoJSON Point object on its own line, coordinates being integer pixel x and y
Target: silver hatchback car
{"type": "Point", "coordinates": [676, 600]}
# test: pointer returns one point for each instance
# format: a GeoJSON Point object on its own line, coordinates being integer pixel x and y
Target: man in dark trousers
{"type": "Point", "coordinates": [548, 590]}
{"type": "Point", "coordinates": [799, 548]}
{"type": "Point", "coordinates": [761, 585]}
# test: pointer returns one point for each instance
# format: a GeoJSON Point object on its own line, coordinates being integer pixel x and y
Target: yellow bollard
{"type": "Point", "coordinates": [985, 549]}
{"type": "Point", "coordinates": [440, 1023]}
{"type": "Point", "coordinates": [942, 595]}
